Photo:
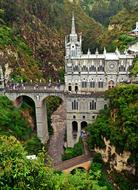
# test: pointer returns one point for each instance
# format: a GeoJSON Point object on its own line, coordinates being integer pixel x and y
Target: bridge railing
{"type": "Point", "coordinates": [25, 87]}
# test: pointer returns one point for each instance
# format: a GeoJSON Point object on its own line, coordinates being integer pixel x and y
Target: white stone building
{"type": "Point", "coordinates": [87, 76]}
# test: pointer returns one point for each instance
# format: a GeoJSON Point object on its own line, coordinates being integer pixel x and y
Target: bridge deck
{"type": "Point", "coordinates": [73, 162]}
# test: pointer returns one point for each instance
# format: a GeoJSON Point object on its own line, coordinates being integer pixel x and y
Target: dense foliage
{"type": "Point", "coordinates": [11, 120]}
{"type": "Point", "coordinates": [16, 172]}
{"type": "Point", "coordinates": [102, 10]}
{"type": "Point", "coordinates": [134, 70]}
{"type": "Point", "coordinates": [77, 150]}
{"type": "Point", "coordinates": [118, 123]}
{"type": "Point", "coordinates": [33, 32]}
{"type": "Point", "coordinates": [14, 121]}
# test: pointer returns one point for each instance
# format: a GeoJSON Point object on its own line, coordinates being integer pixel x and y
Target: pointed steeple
{"type": "Point", "coordinates": [73, 30]}
{"type": "Point", "coordinates": [73, 34]}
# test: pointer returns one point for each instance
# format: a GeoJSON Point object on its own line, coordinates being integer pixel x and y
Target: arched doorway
{"type": "Point", "coordinates": [76, 87]}
{"type": "Point", "coordinates": [111, 84]}
{"type": "Point", "coordinates": [83, 125]}
{"type": "Point", "coordinates": [69, 87]}
{"type": "Point", "coordinates": [74, 129]}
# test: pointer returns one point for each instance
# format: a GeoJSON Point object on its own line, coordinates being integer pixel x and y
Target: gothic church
{"type": "Point", "coordinates": [87, 76]}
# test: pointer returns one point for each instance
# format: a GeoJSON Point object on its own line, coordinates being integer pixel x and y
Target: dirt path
{"type": "Point", "coordinates": [56, 143]}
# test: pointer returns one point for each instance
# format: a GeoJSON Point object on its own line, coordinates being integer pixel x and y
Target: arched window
{"type": "Point", "coordinates": [70, 87]}
{"type": "Point", "coordinates": [74, 105]}
{"type": "Point", "coordinates": [84, 69]}
{"type": "Point", "coordinates": [121, 68]}
{"type": "Point", "coordinates": [84, 84]}
{"type": "Point", "coordinates": [100, 84]}
{"type": "Point", "coordinates": [111, 84]}
{"type": "Point", "coordinates": [92, 84]}
{"type": "Point", "coordinates": [74, 128]}
{"type": "Point", "coordinates": [92, 68]}
{"type": "Point", "coordinates": [101, 68]}
{"type": "Point", "coordinates": [83, 125]}
{"type": "Point", "coordinates": [76, 68]}
{"type": "Point", "coordinates": [76, 87]}
{"type": "Point", "coordinates": [92, 105]}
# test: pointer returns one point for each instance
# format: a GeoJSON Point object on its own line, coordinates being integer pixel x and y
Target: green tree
{"type": "Point", "coordinates": [17, 172]}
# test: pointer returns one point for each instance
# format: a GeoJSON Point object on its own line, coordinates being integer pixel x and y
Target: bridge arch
{"type": "Point", "coordinates": [38, 96]}
{"type": "Point", "coordinates": [84, 166]}
{"type": "Point", "coordinates": [19, 99]}
{"type": "Point", "coordinates": [83, 125]}
{"type": "Point", "coordinates": [81, 168]}
{"type": "Point", "coordinates": [50, 104]}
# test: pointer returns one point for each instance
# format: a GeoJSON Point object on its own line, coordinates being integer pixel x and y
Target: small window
{"type": "Point", "coordinates": [92, 84]}
{"type": "Point", "coordinates": [84, 69]}
{"type": "Point", "coordinates": [100, 68]}
{"type": "Point", "coordinates": [74, 116]}
{"type": "Point", "coordinates": [76, 87]}
{"type": "Point", "coordinates": [100, 84]}
{"type": "Point", "coordinates": [76, 68]}
{"type": "Point", "coordinates": [92, 105]}
{"type": "Point", "coordinates": [83, 116]}
{"type": "Point", "coordinates": [69, 88]}
{"type": "Point", "coordinates": [84, 84]}
{"type": "Point", "coordinates": [93, 117]}
{"type": "Point", "coordinates": [122, 68]}
{"type": "Point", "coordinates": [74, 105]}
{"type": "Point", "coordinates": [105, 106]}
{"type": "Point", "coordinates": [92, 68]}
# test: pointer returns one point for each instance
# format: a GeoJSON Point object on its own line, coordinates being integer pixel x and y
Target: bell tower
{"type": "Point", "coordinates": [73, 42]}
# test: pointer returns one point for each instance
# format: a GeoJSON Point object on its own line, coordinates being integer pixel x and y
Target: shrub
{"type": "Point", "coordinates": [98, 158]}
{"type": "Point", "coordinates": [33, 145]}
{"type": "Point", "coordinates": [77, 150]}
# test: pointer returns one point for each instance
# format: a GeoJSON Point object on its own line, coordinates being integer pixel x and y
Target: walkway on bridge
{"type": "Point", "coordinates": [74, 162]}
{"type": "Point", "coordinates": [83, 161]}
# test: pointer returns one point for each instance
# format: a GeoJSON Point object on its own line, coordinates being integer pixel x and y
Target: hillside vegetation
{"type": "Point", "coordinates": [17, 172]}
{"type": "Point", "coordinates": [40, 27]}
{"type": "Point", "coordinates": [32, 32]}
{"type": "Point", "coordinates": [119, 124]}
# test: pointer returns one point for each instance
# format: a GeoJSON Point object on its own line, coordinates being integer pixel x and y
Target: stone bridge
{"type": "Point", "coordinates": [83, 161]}
{"type": "Point", "coordinates": [38, 94]}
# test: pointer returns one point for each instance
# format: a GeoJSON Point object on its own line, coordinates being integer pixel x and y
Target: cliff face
{"type": "Point", "coordinates": [116, 161]}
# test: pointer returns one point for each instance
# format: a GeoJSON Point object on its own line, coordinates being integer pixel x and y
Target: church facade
{"type": "Point", "coordinates": [87, 77]}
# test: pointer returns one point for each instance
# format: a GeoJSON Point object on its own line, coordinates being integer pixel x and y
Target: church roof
{"type": "Point", "coordinates": [111, 56]}
{"type": "Point", "coordinates": [107, 56]}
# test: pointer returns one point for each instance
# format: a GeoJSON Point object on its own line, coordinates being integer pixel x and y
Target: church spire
{"type": "Point", "coordinates": [73, 30]}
